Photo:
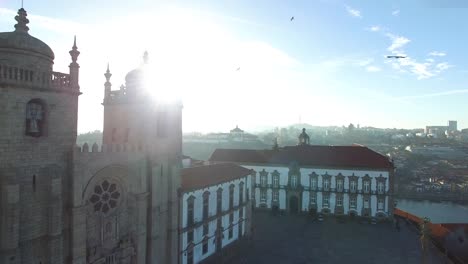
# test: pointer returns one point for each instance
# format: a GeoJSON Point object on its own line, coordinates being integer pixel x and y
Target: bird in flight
{"type": "Point", "coordinates": [395, 57]}
{"type": "Point", "coordinates": [238, 69]}
{"type": "Point", "coordinates": [292, 18]}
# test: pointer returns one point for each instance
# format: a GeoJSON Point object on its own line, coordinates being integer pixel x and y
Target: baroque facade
{"type": "Point", "coordinates": [341, 180]}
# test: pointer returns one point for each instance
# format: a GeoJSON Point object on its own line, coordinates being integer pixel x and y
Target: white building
{"type": "Point", "coordinates": [351, 180]}
{"type": "Point", "coordinates": [215, 210]}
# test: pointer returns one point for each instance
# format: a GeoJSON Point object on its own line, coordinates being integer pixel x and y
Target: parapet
{"type": "Point", "coordinates": [110, 148]}
{"type": "Point", "coordinates": [30, 78]}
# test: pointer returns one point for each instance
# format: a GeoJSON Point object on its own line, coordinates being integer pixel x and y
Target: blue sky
{"type": "Point", "coordinates": [326, 67]}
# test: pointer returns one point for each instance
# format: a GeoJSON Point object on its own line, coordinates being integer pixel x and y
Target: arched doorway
{"type": "Point", "coordinates": [293, 204]}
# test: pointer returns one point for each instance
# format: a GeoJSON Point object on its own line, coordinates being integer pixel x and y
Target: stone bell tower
{"type": "Point", "coordinates": [38, 125]}
{"type": "Point", "coordinates": [135, 118]}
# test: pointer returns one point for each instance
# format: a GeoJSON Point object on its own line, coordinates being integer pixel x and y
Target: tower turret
{"type": "Point", "coordinates": [107, 84]}
{"type": "Point", "coordinates": [74, 66]}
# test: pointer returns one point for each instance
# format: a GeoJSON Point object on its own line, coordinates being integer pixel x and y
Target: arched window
{"type": "Point", "coordinates": [241, 193]}
{"type": "Point", "coordinates": [36, 118]}
{"type": "Point", "coordinates": [190, 205]}
{"type": "Point", "coordinates": [231, 196]}
{"type": "Point", "coordinates": [206, 204]}
{"type": "Point", "coordinates": [219, 200]}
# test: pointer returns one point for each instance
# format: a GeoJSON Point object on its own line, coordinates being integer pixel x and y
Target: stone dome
{"type": "Point", "coordinates": [20, 40]}
{"type": "Point", "coordinates": [135, 78]}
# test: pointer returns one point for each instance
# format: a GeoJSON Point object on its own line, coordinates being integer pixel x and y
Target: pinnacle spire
{"type": "Point", "coordinates": [108, 74]}
{"type": "Point", "coordinates": [21, 26]}
{"type": "Point", "coordinates": [145, 57]}
{"type": "Point", "coordinates": [74, 53]}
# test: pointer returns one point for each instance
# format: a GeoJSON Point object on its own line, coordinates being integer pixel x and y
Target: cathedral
{"type": "Point", "coordinates": [118, 203]}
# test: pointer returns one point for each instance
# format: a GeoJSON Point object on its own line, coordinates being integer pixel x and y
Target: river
{"type": "Point", "coordinates": [443, 212]}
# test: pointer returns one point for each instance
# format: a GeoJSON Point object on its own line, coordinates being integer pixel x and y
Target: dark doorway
{"type": "Point", "coordinates": [293, 205]}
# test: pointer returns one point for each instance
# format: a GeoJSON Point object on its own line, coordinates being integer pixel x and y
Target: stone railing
{"type": "Point", "coordinates": [109, 148]}
{"type": "Point", "coordinates": [30, 78]}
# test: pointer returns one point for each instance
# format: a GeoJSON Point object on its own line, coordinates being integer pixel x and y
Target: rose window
{"type": "Point", "coordinates": [105, 197]}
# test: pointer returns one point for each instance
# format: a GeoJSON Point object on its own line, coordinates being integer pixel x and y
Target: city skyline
{"type": "Point", "coordinates": [253, 66]}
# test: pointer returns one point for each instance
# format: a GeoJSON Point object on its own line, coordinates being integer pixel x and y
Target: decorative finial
{"type": "Point", "coordinates": [145, 57]}
{"type": "Point", "coordinates": [74, 53]}
{"type": "Point", "coordinates": [108, 74]}
{"type": "Point", "coordinates": [21, 26]}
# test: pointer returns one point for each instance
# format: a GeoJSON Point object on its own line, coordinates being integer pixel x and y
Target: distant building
{"type": "Point", "coordinates": [235, 135]}
{"type": "Point", "coordinates": [350, 180]}
{"type": "Point", "coordinates": [440, 131]}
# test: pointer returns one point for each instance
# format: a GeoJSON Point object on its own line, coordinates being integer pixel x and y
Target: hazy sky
{"type": "Point", "coordinates": [326, 67]}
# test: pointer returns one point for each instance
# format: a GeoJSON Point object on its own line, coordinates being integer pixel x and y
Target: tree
{"type": "Point", "coordinates": [350, 127]}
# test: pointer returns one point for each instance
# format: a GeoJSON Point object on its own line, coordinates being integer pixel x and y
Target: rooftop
{"type": "Point", "coordinates": [213, 174]}
{"type": "Point", "coordinates": [355, 156]}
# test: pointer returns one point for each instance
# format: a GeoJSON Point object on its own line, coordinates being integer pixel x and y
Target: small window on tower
{"type": "Point", "coordinates": [127, 132]}
{"type": "Point", "coordinates": [35, 118]}
{"type": "Point", "coordinates": [114, 134]}
{"type": "Point", "coordinates": [162, 125]}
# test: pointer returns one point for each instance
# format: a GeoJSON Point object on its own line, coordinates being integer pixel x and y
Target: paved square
{"type": "Point", "coordinates": [298, 239]}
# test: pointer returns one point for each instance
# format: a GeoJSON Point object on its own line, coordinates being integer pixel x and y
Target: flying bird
{"type": "Point", "coordinates": [292, 18]}
{"type": "Point", "coordinates": [238, 69]}
{"type": "Point", "coordinates": [395, 57]}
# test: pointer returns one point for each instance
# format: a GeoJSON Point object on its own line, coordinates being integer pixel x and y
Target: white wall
{"type": "Point", "coordinates": [305, 181]}
{"type": "Point", "coordinates": [198, 215]}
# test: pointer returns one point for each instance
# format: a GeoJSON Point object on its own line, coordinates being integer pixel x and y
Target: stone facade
{"type": "Point", "coordinates": [60, 203]}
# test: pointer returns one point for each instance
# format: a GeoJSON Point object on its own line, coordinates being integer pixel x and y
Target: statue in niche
{"type": "Point", "coordinates": [34, 118]}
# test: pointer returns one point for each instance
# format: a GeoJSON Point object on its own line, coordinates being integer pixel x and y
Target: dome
{"type": "Point", "coordinates": [135, 77]}
{"type": "Point", "coordinates": [20, 40]}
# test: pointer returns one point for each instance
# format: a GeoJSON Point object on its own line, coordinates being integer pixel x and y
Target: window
{"type": "Point", "coordinates": [380, 187]}
{"type": "Point", "coordinates": [162, 125]}
{"type": "Point", "coordinates": [326, 184]}
{"type": "Point", "coordinates": [34, 183]}
{"type": "Point", "coordinates": [366, 203]}
{"type": "Point", "coordinates": [293, 181]}
{"type": "Point", "coordinates": [247, 194]}
{"type": "Point", "coordinates": [127, 132]}
{"type": "Point", "coordinates": [231, 196]}
{"type": "Point", "coordinates": [231, 217]}
{"type": "Point", "coordinates": [189, 236]}
{"type": "Point", "coordinates": [263, 180]}
{"type": "Point", "coordinates": [326, 200]}
{"type": "Point", "coordinates": [35, 118]}
{"type": "Point", "coordinates": [205, 229]}
{"type": "Point", "coordinates": [190, 202]}
{"type": "Point", "coordinates": [339, 201]}
{"type": "Point", "coordinates": [241, 193]}
{"type": "Point", "coordinates": [380, 204]}
{"type": "Point", "coordinates": [339, 185]}
{"type": "Point", "coordinates": [275, 180]}
{"type": "Point", "coordinates": [352, 185]}
{"type": "Point", "coordinates": [114, 134]}
{"type": "Point", "coordinates": [105, 197]}
{"type": "Point", "coordinates": [275, 195]}
{"type": "Point", "coordinates": [241, 213]}
{"type": "Point", "coordinates": [263, 196]}
{"type": "Point", "coordinates": [206, 203]}
{"type": "Point", "coordinates": [313, 199]}
{"type": "Point", "coordinates": [366, 186]}
{"type": "Point", "coordinates": [313, 183]}
{"type": "Point", "coordinates": [205, 246]}
{"type": "Point", "coordinates": [190, 257]}
{"type": "Point", "coordinates": [219, 201]}
{"type": "Point", "coordinates": [352, 202]}
{"type": "Point", "coordinates": [230, 233]}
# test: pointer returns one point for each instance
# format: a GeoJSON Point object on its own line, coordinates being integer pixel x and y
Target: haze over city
{"type": "Point", "coordinates": [327, 66]}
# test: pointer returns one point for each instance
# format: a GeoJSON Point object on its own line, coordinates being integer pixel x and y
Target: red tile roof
{"type": "Point", "coordinates": [207, 175]}
{"type": "Point", "coordinates": [355, 156]}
